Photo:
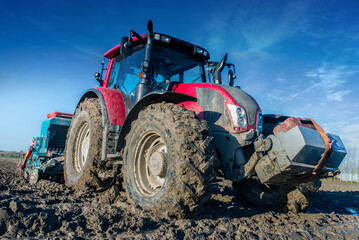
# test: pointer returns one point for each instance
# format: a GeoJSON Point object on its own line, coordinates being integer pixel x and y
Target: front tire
{"type": "Point", "coordinates": [168, 161]}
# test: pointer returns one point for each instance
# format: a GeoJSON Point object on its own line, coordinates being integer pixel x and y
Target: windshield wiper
{"type": "Point", "coordinates": [196, 79]}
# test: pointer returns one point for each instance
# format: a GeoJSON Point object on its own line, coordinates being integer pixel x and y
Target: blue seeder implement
{"type": "Point", "coordinates": [45, 153]}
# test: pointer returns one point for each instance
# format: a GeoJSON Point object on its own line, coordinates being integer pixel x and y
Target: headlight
{"type": "Point", "coordinates": [260, 122]}
{"type": "Point", "coordinates": [238, 115]}
{"type": "Point", "coordinates": [165, 39]}
{"type": "Point", "coordinates": [157, 36]}
{"type": "Point", "coordinates": [201, 51]}
{"type": "Point", "coordinates": [162, 38]}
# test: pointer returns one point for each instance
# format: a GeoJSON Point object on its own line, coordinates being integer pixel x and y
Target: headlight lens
{"type": "Point", "coordinates": [199, 50]}
{"type": "Point", "coordinates": [238, 115]}
{"type": "Point", "coordinates": [157, 36]}
{"type": "Point", "coordinates": [260, 122]}
{"type": "Point", "coordinates": [163, 38]}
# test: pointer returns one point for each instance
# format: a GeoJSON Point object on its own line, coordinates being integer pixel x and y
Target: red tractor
{"type": "Point", "coordinates": [164, 129]}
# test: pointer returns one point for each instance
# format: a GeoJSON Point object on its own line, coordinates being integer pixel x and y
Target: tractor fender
{"type": "Point", "coordinates": [151, 98]}
{"type": "Point", "coordinates": [112, 104]}
{"type": "Point", "coordinates": [113, 113]}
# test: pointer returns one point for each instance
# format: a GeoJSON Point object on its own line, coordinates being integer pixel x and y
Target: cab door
{"type": "Point", "coordinates": [124, 76]}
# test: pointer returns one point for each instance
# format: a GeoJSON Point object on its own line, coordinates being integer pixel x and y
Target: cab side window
{"type": "Point", "coordinates": [114, 73]}
{"type": "Point", "coordinates": [124, 74]}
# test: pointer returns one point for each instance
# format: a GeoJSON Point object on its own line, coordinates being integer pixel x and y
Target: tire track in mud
{"type": "Point", "coordinates": [51, 210]}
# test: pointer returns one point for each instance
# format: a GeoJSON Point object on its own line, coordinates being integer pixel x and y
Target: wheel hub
{"type": "Point", "coordinates": [82, 146]}
{"type": "Point", "coordinates": [158, 164]}
{"type": "Point", "coordinates": [150, 164]}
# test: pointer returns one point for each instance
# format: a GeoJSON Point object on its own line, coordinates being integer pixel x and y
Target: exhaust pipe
{"type": "Point", "coordinates": [218, 69]}
{"type": "Point", "coordinates": [144, 86]}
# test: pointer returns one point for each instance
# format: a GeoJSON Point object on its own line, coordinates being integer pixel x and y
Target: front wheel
{"type": "Point", "coordinates": [168, 161]}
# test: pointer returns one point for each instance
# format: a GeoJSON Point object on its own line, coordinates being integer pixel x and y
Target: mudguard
{"type": "Point", "coordinates": [113, 114]}
{"type": "Point", "coordinates": [112, 104]}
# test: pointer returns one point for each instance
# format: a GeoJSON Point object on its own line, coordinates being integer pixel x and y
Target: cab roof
{"type": "Point", "coordinates": [171, 42]}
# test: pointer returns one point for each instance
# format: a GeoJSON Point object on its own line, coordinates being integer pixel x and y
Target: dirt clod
{"type": "Point", "coordinates": [15, 207]}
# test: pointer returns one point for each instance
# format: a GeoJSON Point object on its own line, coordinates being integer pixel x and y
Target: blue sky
{"type": "Point", "coordinates": [298, 58]}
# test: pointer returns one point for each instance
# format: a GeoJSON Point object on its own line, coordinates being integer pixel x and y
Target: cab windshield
{"type": "Point", "coordinates": [168, 66]}
{"type": "Point", "coordinates": [172, 66]}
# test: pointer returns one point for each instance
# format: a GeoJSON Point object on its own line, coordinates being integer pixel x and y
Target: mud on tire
{"type": "Point", "coordinates": [168, 161]}
{"type": "Point", "coordinates": [279, 198]}
{"type": "Point", "coordinates": [83, 146]}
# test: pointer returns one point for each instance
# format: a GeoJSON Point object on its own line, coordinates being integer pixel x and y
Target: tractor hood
{"type": "Point", "coordinates": [212, 101]}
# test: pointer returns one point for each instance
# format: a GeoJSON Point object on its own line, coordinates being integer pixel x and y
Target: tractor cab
{"type": "Point", "coordinates": [171, 61]}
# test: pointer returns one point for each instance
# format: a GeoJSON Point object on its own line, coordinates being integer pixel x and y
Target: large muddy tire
{"type": "Point", "coordinates": [83, 146]}
{"type": "Point", "coordinates": [279, 198]}
{"type": "Point", "coordinates": [168, 161]}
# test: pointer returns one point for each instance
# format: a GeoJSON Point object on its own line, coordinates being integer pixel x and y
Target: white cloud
{"type": "Point", "coordinates": [289, 96]}
{"type": "Point", "coordinates": [337, 96]}
{"type": "Point", "coordinates": [329, 76]}
{"type": "Point", "coordinates": [275, 97]}
{"type": "Point", "coordinates": [332, 79]}
{"type": "Point", "coordinates": [329, 82]}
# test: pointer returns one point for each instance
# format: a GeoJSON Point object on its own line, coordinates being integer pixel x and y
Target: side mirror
{"type": "Point", "coordinates": [126, 48]}
{"type": "Point", "coordinates": [231, 77]}
{"type": "Point", "coordinates": [98, 78]}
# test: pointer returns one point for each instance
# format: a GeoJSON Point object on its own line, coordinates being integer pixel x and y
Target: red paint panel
{"type": "Point", "coordinates": [114, 105]}
{"type": "Point", "coordinates": [193, 106]}
{"type": "Point", "coordinates": [58, 114]}
{"type": "Point", "coordinates": [190, 89]}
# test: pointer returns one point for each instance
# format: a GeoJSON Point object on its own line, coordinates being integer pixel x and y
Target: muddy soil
{"type": "Point", "coordinates": [51, 210]}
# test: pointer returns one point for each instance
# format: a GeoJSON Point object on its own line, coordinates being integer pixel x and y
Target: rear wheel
{"type": "Point", "coordinates": [83, 146]}
{"type": "Point", "coordinates": [168, 161]}
{"type": "Point", "coordinates": [280, 198]}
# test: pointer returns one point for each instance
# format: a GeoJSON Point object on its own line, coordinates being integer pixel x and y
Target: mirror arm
{"type": "Point", "coordinates": [98, 78]}
{"type": "Point", "coordinates": [133, 33]}
{"type": "Point", "coordinates": [100, 81]}
{"type": "Point", "coordinates": [234, 69]}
